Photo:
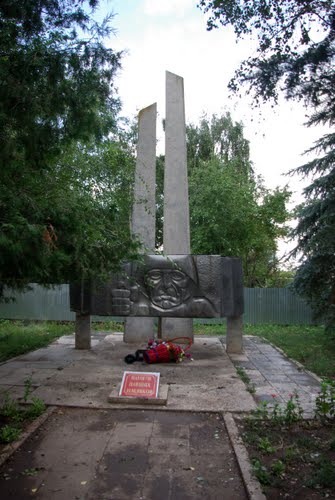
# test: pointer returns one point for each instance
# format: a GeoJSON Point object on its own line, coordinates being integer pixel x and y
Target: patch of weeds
{"type": "Point", "coordinates": [10, 409]}
{"type": "Point", "coordinates": [291, 453]}
{"type": "Point", "coordinates": [108, 326]}
{"type": "Point", "coordinates": [325, 401]}
{"type": "Point", "coordinates": [246, 379]}
{"type": "Point", "coordinates": [324, 475]}
{"type": "Point", "coordinates": [36, 408]}
{"type": "Point", "coordinates": [9, 433]}
{"type": "Point", "coordinates": [29, 472]}
{"type": "Point", "coordinates": [28, 384]}
{"type": "Point", "coordinates": [308, 443]}
{"type": "Point", "coordinates": [250, 437]}
{"type": "Point", "coordinates": [13, 417]}
{"type": "Point", "coordinates": [278, 414]}
{"type": "Point", "coordinates": [261, 472]}
{"type": "Point", "coordinates": [278, 468]}
{"type": "Point", "coordinates": [264, 445]}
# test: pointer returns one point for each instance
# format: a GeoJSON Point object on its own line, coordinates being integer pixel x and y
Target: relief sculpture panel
{"type": "Point", "coordinates": [186, 286]}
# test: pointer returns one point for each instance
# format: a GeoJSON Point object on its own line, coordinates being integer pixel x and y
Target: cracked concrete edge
{"type": "Point", "coordinates": [12, 447]}
{"type": "Point", "coordinates": [253, 487]}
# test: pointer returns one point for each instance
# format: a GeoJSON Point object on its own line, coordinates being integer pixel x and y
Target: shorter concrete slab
{"type": "Point", "coordinates": [162, 398]}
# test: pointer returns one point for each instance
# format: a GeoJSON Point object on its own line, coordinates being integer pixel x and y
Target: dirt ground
{"type": "Point", "coordinates": [295, 462]}
{"type": "Point", "coordinates": [124, 454]}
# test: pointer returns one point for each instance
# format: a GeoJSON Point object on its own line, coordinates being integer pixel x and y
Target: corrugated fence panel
{"type": "Point", "coordinates": [40, 303]}
{"type": "Point", "coordinates": [262, 305]}
{"type": "Point", "coordinates": [275, 305]}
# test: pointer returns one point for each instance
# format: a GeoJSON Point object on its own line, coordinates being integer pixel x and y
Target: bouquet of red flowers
{"type": "Point", "coordinates": [160, 351]}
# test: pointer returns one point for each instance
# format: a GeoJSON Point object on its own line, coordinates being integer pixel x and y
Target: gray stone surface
{"type": "Point", "coordinates": [176, 230]}
{"type": "Point", "coordinates": [161, 398]}
{"type": "Point", "coordinates": [144, 209]}
{"type": "Point", "coordinates": [174, 286]}
{"type": "Point", "coordinates": [125, 455]}
{"type": "Point", "coordinates": [89, 376]}
{"type": "Point", "coordinates": [274, 376]}
{"type": "Point", "coordinates": [83, 331]}
{"type": "Point", "coordinates": [234, 342]}
{"type": "Point", "coordinates": [143, 221]}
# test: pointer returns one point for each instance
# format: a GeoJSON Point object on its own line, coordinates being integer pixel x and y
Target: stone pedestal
{"type": "Point", "coordinates": [176, 230]}
{"type": "Point", "coordinates": [144, 209]}
{"type": "Point", "coordinates": [234, 342]}
{"type": "Point", "coordinates": [83, 331]}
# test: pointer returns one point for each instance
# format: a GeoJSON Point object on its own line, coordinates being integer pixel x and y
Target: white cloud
{"type": "Point", "coordinates": [167, 7]}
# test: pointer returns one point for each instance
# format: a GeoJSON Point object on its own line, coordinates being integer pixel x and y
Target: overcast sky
{"type": "Point", "coordinates": [161, 35]}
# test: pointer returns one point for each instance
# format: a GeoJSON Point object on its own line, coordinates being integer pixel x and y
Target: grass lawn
{"type": "Point", "coordinates": [307, 344]}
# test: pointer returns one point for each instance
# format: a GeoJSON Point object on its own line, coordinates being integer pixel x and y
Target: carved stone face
{"type": "Point", "coordinates": [167, 288]}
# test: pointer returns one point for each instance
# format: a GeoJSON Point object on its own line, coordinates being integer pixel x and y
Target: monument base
{"type": "Point", "coordinates": [176, 327]}
{"type": "Point", "coordinates": [161, 399]}
{"type": "Point", "coordinates": [138, 330]}
{"type": "Point", "coordinates": [83, 331]}
{"type": "Point", "coordinates": [234, 342]}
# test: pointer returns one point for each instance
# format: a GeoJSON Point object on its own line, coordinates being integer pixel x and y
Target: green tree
{"type": "Point", "coordinates": [231, 211]}
{"type": "Point", "coordinates": [74, 222]}
{"type": "Point", "coordinates": [218, 137]}
{"type": "Point", "coordinates": [61, 209]}
{"type": "Point", "coordinates": [295, 55]}
{"type": "Point", "coordinates": [234, 216]}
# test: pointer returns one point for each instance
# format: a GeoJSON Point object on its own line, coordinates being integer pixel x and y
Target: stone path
{"type": "Point", "coordinates": [272, 374]}
{"type": "Point", "coordinates": [125, 455]}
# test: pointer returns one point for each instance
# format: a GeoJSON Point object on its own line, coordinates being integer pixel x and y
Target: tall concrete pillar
{"type": "Point", "coordinates": [144, 209]}
{"type": "Point", "coordinates": [176, 229]}
{"type": "Point", "coordinates": [83, 331]}
{"type": "Point", "coordinates": [234, 337]}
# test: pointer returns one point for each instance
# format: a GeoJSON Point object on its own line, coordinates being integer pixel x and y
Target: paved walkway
{"type": "Point", "coordinates": [91, 449]}
{"type": "Point", "coordinates": [272, 374]}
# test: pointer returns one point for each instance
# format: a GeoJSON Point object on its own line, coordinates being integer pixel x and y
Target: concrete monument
{"type": "Point", "coordinates": [176, 228]}
{"type": "Point", "coordinates": [144, 209]}
{"type": "Point", "coordinates": [175, 287]}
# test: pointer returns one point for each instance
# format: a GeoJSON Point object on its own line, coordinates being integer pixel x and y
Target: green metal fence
{"type": "Point", "coordinates": [262, 305]}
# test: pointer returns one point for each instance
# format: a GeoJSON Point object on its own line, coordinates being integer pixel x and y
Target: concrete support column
{"type": "Point", "coordinates": [83, 331]}
{"type": "Point", "coordinates": [234, 343]}
{"type": "Point", "coordinates": [143, 222]}
{"type": "Point", "coordinates": [176, 230]}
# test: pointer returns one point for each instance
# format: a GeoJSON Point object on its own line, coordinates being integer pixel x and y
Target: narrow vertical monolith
{"type": "Point", "coordinates": [83, 331]}
{"type": "Point", "coordinates": [234, 337]}
{"type": "Point", "coordinates": [144, 209]}
{"type": "Point", "coordinates": [176, 229]}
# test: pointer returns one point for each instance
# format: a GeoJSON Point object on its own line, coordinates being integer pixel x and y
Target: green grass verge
{"type": "Point", "coordinates": [309, 345]}
{"type": "Point", "coordinates": [17, 337]}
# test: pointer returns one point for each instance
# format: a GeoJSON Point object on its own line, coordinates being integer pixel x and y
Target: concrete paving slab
{"type": "Point", "coordinates": [87, 378]}
{"type": "Point", "coordinates": [101, 454]}
{"type": "Point", "coordinates": [274, 373]}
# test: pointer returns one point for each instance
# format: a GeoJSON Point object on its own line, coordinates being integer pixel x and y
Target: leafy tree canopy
{"type": "Point", "coordinates": [64, 189]}
{"type": "Point", "coordinates": [231, 211]}
{"type": "Point", "coordinates": [72, 221]}
{"type": "Point", "coordinates": [295, 44]}
{"type": "Point", "coordinates": [56, 81]}
{"type": "Point", "coordinates": [296, 55]}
